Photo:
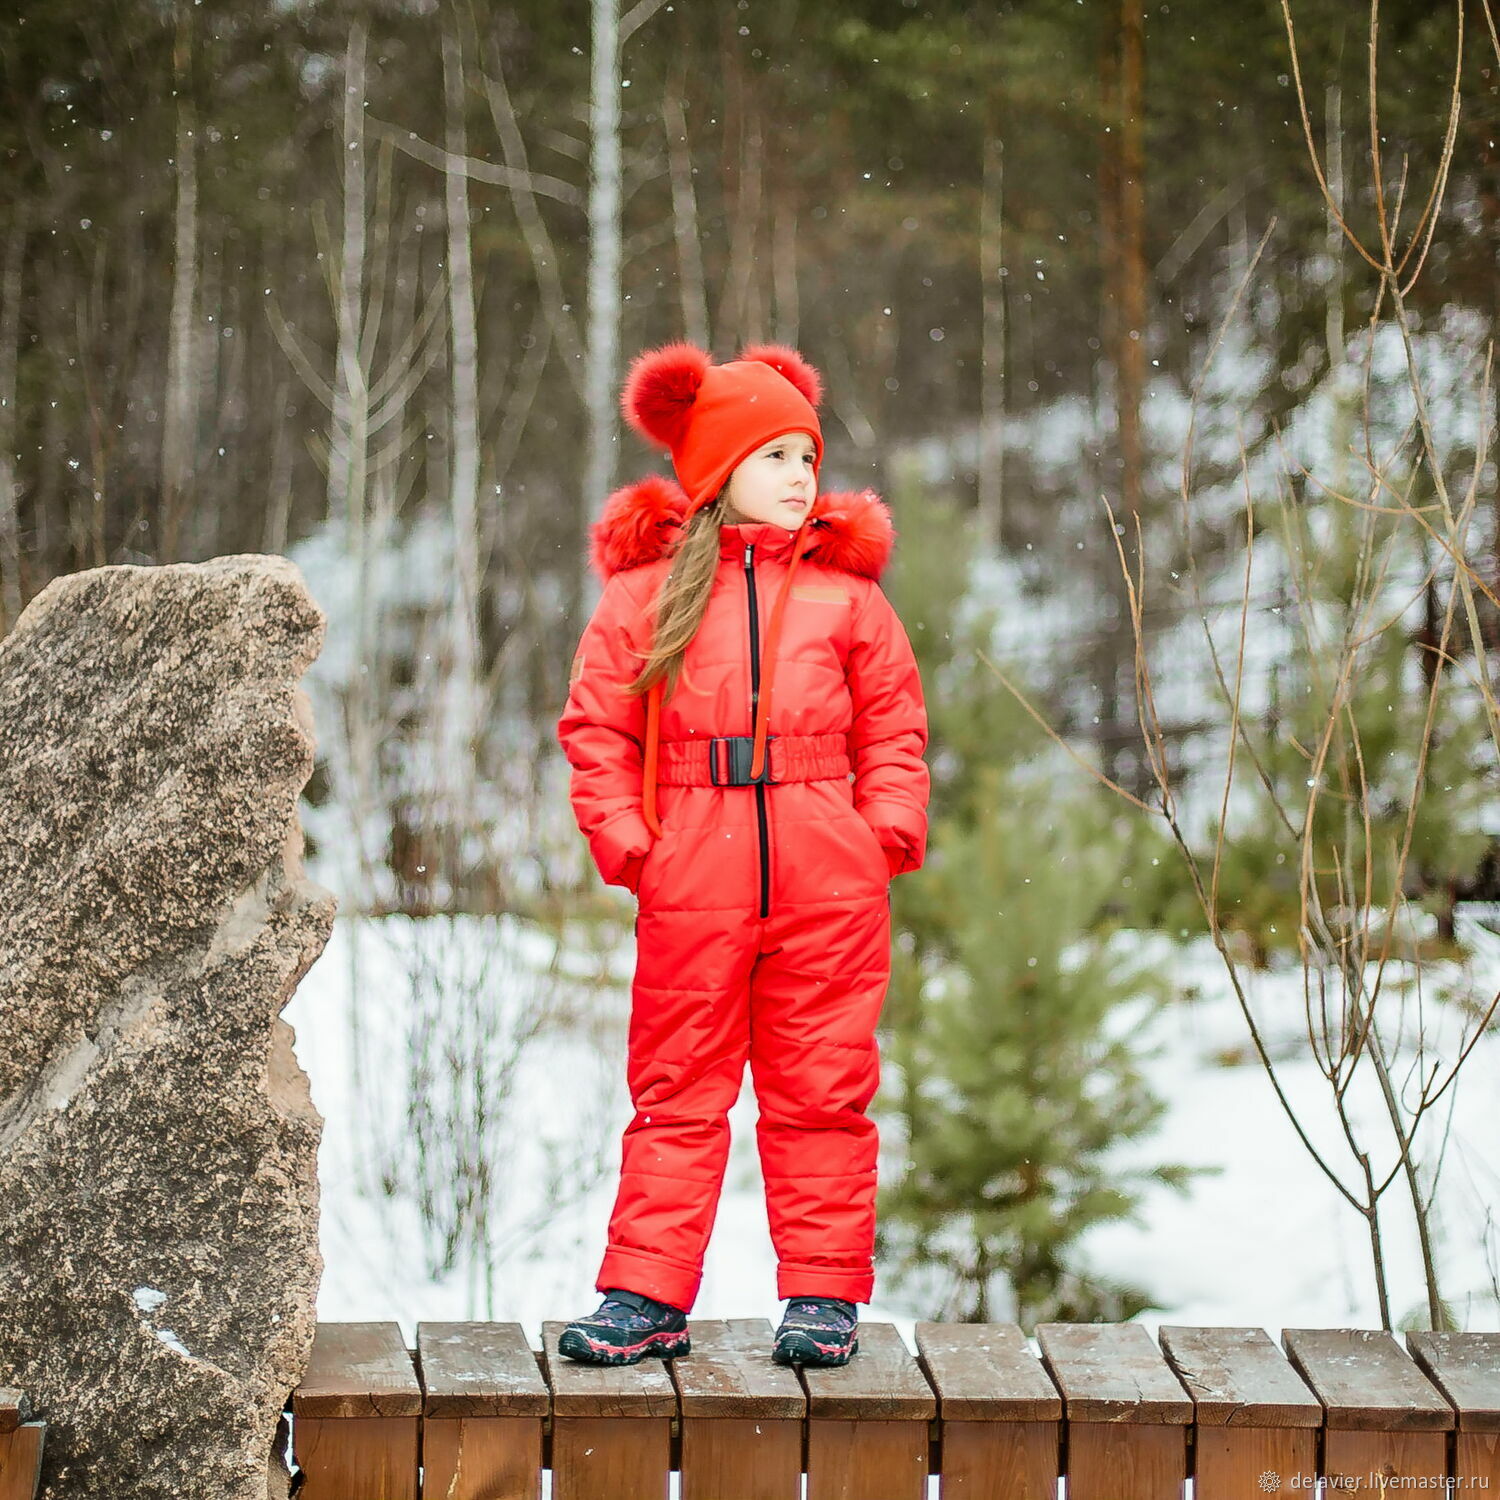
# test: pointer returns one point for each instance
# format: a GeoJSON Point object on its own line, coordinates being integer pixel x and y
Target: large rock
{"type": "Point", "coordinates": [158, 1144]}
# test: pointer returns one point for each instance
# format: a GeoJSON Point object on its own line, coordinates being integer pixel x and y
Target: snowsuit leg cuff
{"type": "Point", "coordinates": [651, 1275]}
{"type": "Point", "coordinates": [794, 1279]}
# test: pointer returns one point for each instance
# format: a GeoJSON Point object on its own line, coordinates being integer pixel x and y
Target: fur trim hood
{"type": "Point", "coordinates": [641, 523]}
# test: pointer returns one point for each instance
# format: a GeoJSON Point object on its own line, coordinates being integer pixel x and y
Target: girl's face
{"type": "Point", "coordinates": [776, 483]}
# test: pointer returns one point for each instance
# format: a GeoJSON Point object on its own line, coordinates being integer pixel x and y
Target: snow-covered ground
{"type": "Point", "coordinates": [1267, 1241]}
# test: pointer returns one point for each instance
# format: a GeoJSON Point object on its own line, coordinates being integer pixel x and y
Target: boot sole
{"type": "Point", "coordinates": [577, 1345]}
{"type": "Point", "coordinates": [803, 1349]}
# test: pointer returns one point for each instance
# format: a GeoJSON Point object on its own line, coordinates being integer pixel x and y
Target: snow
{"type": "Point", "coordinates": [1268, 1241]}
{"type": "Point", "coordinates": [148, 1299]}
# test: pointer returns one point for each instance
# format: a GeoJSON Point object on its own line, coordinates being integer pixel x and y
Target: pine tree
{"type": "Point", "coordinates": [1353, 670]}
{"type": "Point", "coordinates": [1013, 1070]}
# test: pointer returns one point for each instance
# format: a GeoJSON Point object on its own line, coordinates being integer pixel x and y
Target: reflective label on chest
{"type": "Point", "coordinates": [820, 593]}
{"type": "Point", "coordinates": [577, 669]}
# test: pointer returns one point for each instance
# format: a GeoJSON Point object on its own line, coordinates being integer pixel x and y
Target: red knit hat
{"type": "Point", "coordinates": [712, 417]}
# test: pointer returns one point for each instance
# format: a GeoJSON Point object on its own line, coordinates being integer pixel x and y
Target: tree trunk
{"type": "Point", "coordinates": [348, 451]}
{"type": "Point", "coordinates": [992, 359]}
{"type": "Point", "coordinates": [605, 215]}
{"type": "Point", "coordinates": [463, 723]}
{"type": "Point", "coordinates": [1131, 359]}
{"type": "Point", "coordinates": [788, 314]}
{"type": "Point", "coordinates": [179, 407]}
{"type": "Point", "coordinates": [1333, 154]}
{"type": "Point", "coordinates": [692, 285]}
{"type": "Point", "coordinates": [12, 265]}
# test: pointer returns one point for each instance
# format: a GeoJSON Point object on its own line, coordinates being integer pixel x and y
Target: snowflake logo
{"type": "Point", "coordinates": [1269, 1481]}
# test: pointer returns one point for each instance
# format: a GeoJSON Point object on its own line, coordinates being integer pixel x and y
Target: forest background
{"type": "Point", "coordinates": [358, 282]}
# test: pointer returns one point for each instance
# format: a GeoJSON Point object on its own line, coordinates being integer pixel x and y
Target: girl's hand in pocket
{"type": "Point", "coordinates": [630, 872]}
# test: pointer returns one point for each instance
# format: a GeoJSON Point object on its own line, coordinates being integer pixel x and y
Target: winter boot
{"type": "Point", "coordinates": [817, 1331]}
{"type": "Point", "coordinates": [625, 1329]}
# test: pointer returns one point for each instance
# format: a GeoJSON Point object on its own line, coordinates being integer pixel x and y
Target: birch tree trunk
{"type": "Point", "coordinates": [464, 686]}
{"type": "Point", "coordinates": [179, 406]}
{"type": "Point", "coordinates": [788, 315]}
{"type": "Point", "coordinates": [1333, 157]}
{"type": "Point", "coordinates": [1132, 222]}
{"type": "Point", "coordinates": [11, 282]}
{"type": "Point", "coordinates": [737, 319]}
{"type": "Point", "coordinates": [992, 360]}
{"type": "Point", "coordinates": [349, 439]}
{"type": "Point", "coordinates": [348, 452]}
{"type": "Point", "coordinates": [604, 276]}
{"type": "Point", "coordinates": [691, 283]}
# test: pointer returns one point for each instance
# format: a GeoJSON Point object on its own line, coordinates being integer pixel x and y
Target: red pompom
{"type": "Point", "coordinates": [660, 389]}
{"type": "Point", "coordinates": [786, 361]}
{"type": "Point", "coordinates": [639, 523]}
{"type": "Point", "coordinates": [852, 530]}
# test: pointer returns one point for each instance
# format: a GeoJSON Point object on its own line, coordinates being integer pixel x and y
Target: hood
{"type": "Point", "coordinates": [641, 523]}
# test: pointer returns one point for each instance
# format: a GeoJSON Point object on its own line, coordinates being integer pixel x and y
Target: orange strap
{"type": "Point", "coordinates": [653, 738]}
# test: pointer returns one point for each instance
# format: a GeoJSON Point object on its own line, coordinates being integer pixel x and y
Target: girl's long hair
{"type": "Point", "coordinates": [683, 598]}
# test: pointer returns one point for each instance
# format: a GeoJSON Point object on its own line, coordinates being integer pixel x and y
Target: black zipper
{"type": "Point", "coordinates": [760, 789]}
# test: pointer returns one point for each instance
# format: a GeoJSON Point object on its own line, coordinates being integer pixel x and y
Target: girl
{"type": "Point", "coordinates": [746, 727]}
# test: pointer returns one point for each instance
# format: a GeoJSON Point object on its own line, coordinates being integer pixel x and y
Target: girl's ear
{"type": "Point", "coordinates": [660, 388]}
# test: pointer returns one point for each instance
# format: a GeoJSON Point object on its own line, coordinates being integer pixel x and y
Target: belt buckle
{"type": "Point", "coordinates": [739, 753]}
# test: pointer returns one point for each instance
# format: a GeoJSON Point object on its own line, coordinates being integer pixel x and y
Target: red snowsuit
{"type": "Point", "coordinates": [763, 928]}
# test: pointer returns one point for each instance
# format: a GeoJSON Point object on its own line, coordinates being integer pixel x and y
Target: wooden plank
{"type": "Point", "coordinates": [479, 1370]}
{"type": "Point", "coordinates": [1366, 1381]}
{"type": "Point", "coordinates": [611, 1458]}
{"type": "Point", "coordinates": [611, 1427]}
{"type": "Point", "coordinates": [579, 1390]}
{"type": "Point", "coordinates": [1125, 1460]}
{"type": "Point", "coordinates": [1383, 1420]}
{"type": "Point", "coordinates": [986, 1372]}
{"type": "Point", "coordinates": [482, 1458]}
{"type": "Point", "coordinates": [1019, 1460]}
{"type": "Point", "coordinates": [21, 1460]}
{"type": "Point", "coordinates": [868, 1422]}
{"type": "Point", "coordinates": [13, 1409]}
{"type": "Point", "coordinates": [355, 1415]}
{"type": "Point", "coordinates": [882, 1380]}
{"type": "Point", "coordinates": [358, 1370]}
{"type": "Point", "coordinates": [483, 1405]}
{"type": "Point", "coordinates": [866, 1458]}
{"type": "Point", "coordinates": [1465, 1367]}
{"type": "Point", "coordinates": [1246, 1463]}
{"type": "Point", "coordinates": [1112, 1372]}
{"type": "Point", "coordinates": [1476, 1460]}
{"type": "Point", "coordinates": [1255, 1416]}
{"type": "Point", "coordinates": [741, 1415]}
{"type": "Point", "coordinates": [1380, 1461]}
{"type": "Point", "coordinates": [730, 1373]}
{"type": "Point", "coordinates": [1238, 1377]}
{"type": "Point", "coordinates": [1127, 1413]}
{"type": "Point", "coordinates": [1000, 1416]}
{"type": "Point", "coordinates": [356, 1458]}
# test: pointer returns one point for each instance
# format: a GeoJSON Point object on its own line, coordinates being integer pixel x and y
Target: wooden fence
{"type": "Point", "coordinates": [20, 1447]}
{"type": "Point", "coordinates": [473, 1413]}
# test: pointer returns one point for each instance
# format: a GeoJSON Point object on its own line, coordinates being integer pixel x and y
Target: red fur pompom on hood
{"type": "Point", "coordinates": [638, 524]}
{"type": "Point", "coordinates": [642, 523]}
{"type": "Point", "coordinates": [852, 530]}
